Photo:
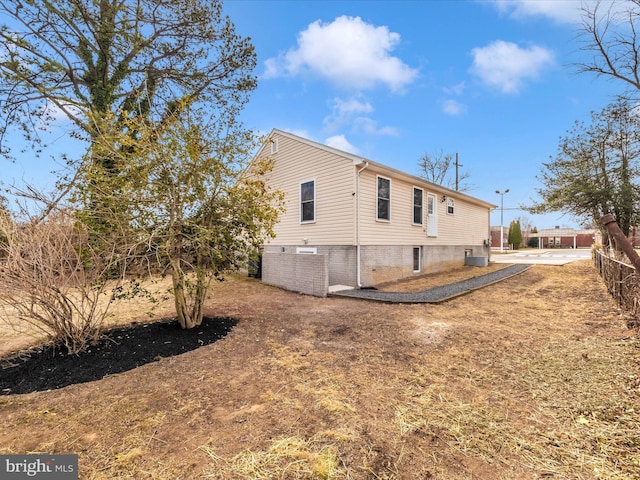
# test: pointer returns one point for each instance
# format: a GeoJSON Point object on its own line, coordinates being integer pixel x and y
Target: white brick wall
{"type": "Point", "coordinates": [303, 273]}
{"type": "Point", "coordinates": [342, 260]}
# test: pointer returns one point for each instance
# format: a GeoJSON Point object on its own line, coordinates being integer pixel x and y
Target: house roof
{"type": "Point", "coordinates": [563, 232]}
{"type": "Point", "coordinates": [381, 168]}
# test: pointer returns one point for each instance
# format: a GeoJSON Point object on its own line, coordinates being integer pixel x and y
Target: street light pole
{"type": "Point", "coordinates": [502, 194]}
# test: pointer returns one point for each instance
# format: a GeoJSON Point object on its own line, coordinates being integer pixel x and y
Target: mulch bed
{"type": "Point", "coordinates": [119, 350]}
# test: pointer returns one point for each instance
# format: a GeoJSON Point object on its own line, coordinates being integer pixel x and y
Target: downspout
{"type": "Point", "coordinates": [490, 237]}
{"type": "Point", "coordinates": [358, 281]}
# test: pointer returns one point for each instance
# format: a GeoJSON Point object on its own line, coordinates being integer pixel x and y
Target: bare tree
{"type": "Point", "coordinates": [440, 168]}
{"type": "Point", "coordinates": [609, 32]}
{"type": "Point", "coordinates": [53, 283]}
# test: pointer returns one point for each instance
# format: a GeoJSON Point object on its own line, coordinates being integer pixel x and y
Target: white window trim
{"type": "Point", "coordinates": [451, 203]}
{"type": "Point", "coordinates": [413, 206]}
{"type": "Point", "coordinates": [274, 145]}
{"type": "Point", "coordinates": [432, 220]}
{"type": "Point", "coordinates": [315, 192]}
{"type": "Point", "coordinates": [378, 219]}
{"type": "Point", "coordinates": [419, 259]}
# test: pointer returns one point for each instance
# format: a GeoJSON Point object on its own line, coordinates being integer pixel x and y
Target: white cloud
{"type": "Point", "coordinates": [341, 143]}
{"type": "Point", "coordinates": [55, 113]}
{"type": "Point", "coordinates": [389, 131]}
{"type": "Point", "coordinates": [343, 111]}
{"type": "Point", "coordinates": [456, 89]}
{"type": "Point", "coordinates": [562, 11]}
{"type": "Point", "coordinates": [353, 112]}
{"type": "Point", "coordinates": [348, 52]}
{"type": "Point", "coordinates": [301, 133]}
{"type": "Point", "coordinates": [352, 105]}
{"type": "Point", "coordinates": [506, 66]}
{"type": "Point", "coordinates": [453, 107]}
{"type": "Point", "coordinates": [370, 126]}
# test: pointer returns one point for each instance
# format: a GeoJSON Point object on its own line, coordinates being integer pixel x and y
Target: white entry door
{"type": "Point", "coordinates": [432, 215]}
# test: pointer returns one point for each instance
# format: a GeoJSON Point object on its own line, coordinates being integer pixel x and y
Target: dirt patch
{"type": "Point", "coordinates": [428, 331]}
{"type": "Point", "coordinates": [534, 377]}
{"type": "Point", "coordinates": [430, 280]}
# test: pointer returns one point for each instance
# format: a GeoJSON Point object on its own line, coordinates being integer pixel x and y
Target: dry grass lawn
{"type": "Point", "coordinates": [534, 377]}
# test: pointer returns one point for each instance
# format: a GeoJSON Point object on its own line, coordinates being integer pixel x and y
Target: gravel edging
{"type": "Point", "coordinates": [437, 294]}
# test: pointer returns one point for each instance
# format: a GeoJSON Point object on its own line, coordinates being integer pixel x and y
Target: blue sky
{"type": "Point", "coordinates": [392, 80]}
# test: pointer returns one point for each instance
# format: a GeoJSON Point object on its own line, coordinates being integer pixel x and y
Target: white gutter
{"type": "Point", "coordinates": [358, 281]}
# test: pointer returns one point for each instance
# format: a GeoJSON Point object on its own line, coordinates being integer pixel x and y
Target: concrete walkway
{"type": "Point", "coordinates": [555, 256]}
{"type": "Point", "coordinates": [437, 294]}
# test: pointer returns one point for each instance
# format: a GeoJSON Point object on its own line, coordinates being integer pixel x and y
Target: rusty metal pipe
{"type": "Point", "coordinates": [621, 240]}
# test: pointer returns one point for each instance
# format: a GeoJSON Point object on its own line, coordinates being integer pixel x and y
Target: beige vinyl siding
{"type": "Point", "coordinates": [469, 225]}
{"type": "Point", "coordinates": [334, 177]}
{"type": "Point", "coordinates": [400, 230]}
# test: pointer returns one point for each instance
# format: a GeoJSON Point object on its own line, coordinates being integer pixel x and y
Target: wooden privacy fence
{"type": "Point", "coordinates": [621, 280]}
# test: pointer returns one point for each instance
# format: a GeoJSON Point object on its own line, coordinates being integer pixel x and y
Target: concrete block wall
{"type": "Point", "coordinates": [383, 263]}
{"type": "Point", "coordinates": [342, 260]}
{"type": "Point", "coordinates": [342, 264]}
{"type": "Point", "coordinates": [303, 273]}
{"type": "Point", "coordinates": [284, 268]}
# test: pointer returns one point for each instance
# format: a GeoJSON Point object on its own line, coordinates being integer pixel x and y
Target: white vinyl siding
{"type": "Point", "coordinates": [383, 210]}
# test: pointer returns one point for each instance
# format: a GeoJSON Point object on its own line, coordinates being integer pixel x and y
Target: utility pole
{"type": "Point", "coordinates": [457, 166]}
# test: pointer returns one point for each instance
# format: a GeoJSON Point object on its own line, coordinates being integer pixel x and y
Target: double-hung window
{"type": "Point", "coordinates": [450, 206]}
{"type": "Point", "coordinates": [417, 206]}
{"type": "Point", "coordinates": [308, 202]}
{"type": "Point", "coordinates": [384, 199]}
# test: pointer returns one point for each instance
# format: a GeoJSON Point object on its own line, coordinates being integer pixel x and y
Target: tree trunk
{"type": "Point", "coordinates": [189, 317]}
{"type": "Point", "coordinates": [180, 298]}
